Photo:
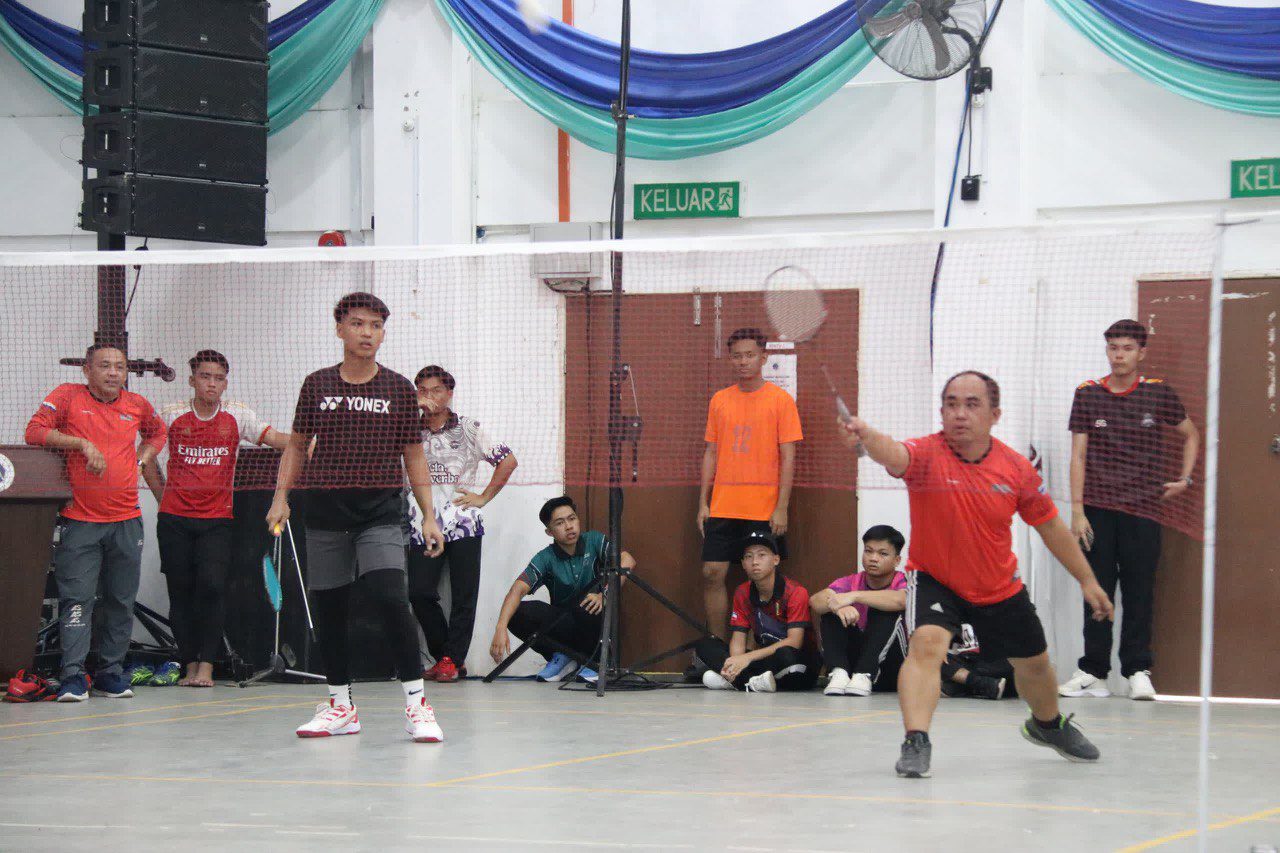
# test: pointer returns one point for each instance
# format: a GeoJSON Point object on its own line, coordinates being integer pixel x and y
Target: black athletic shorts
{"type": "Point", "coordinates": [722, 538]}
{"type": "Point", "coordinates": [1009, 628]}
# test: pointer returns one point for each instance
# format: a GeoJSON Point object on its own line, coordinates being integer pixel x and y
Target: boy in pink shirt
{"type": "Point", "coordinates": [864, 640]}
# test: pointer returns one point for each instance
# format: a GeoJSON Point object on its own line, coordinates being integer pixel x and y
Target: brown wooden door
{"type": "Point", "coordinates": [1247, 590]}
{"type": "Point", "coordinates": [675, 348]}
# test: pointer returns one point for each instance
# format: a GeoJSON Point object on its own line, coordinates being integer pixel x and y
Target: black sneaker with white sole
{"type": "Point", "coordinates": [1065, 738]}
{"type": "Point", "coordinates": [986, 687]}
{"type": "Point", "coordinates": [913, 763]}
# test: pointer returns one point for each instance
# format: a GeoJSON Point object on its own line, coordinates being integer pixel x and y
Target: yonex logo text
{"type": "Point", "coordinates": [356, 404]}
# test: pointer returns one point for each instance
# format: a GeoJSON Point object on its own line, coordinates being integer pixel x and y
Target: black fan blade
{"type": "Point", "coordinates": [886, 26]}
{"type": "Point", "coordinates": [941, 53]}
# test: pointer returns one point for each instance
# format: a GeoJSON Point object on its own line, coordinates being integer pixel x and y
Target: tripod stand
{"type": "Point", "coordinates": [623, 429]}
{"type": "Point", "coordinates": [283, 659]}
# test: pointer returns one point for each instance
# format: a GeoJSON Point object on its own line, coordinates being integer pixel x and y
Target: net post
{"type": "Point", "coordinates": [612, 597]}
{"type": "Point", "coordinates": [1209, 568]}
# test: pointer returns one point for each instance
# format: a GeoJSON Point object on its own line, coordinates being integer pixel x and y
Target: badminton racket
{"type": "Point", "coordinates": [271, 575]}
{"type": "Point", "coordinates": [793, 300]}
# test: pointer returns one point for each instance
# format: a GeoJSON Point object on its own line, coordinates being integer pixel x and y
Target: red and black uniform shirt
{"type": "Point", "coordinates": [769, 621]}
{"type": "Point", "coordinates": [1127, 462]}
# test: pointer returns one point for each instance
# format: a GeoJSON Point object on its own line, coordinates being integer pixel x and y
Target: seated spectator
{"type": "Point", "coordinates": [864, 640]}
{"type": "Point", "coordinates": [968, 672]}
{"type": "Point", "coordinates": [772, 611]}
{"type": "Point", "coordinates": [568, 567]}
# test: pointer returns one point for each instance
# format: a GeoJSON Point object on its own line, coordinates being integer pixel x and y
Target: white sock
{"type": "Point", "coordinates": [412, 691]}
{"type": "Point", "coordinates": [340, 694]}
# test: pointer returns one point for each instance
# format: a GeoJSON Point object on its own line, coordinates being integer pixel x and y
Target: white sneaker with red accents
{"type": "Point", "coordinates": [331, 720]}
{"type": "Point", "coordinates": [420, 723]}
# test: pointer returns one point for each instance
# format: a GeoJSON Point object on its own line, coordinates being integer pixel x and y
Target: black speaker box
{"type": "Point", "coordinates": [168, 81]}
{"type": "Point", "coordinates": [183, 146]}
{"type": "Point", "coordinates": [179, 209]}
{"type": "Point", "coordinates": [234, 28]}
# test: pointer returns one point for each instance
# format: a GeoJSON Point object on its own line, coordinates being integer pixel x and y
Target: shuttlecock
{"type": "Point", "coordinates": [535, 17]}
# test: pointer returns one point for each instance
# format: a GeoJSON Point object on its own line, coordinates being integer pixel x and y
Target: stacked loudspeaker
{"type": "Point", "coordinates": [179, 142]}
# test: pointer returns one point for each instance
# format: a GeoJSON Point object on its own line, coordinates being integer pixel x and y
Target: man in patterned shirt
{"type": "Point", "coordinates": [455, 446]}
{"type": "Point", "coordinates": [193, 527]}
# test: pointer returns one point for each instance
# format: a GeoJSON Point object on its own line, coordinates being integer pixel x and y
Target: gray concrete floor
{"type": "Point", "coordinates": [526, 766]}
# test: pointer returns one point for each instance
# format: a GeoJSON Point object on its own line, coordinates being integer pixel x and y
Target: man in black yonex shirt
{"type": "Point", "coordinates": [364, 419]}
{"type": "Point", "coordinates": [1120, 474]}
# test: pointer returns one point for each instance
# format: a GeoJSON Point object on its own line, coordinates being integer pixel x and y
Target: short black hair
{"type": "Point", "coordinates": [97, 345]}
{"type": "Point", "coordinates": [993, 387]}
{"type": "Point", "coordinates": [210, 355]}
{"type": "Point", "coordinates": [885, 533]}
{"type": "Point", "coordinates": [1127, 329]}
{"type": "Point", "coordinates": [748, 333]}
{"type": "Point", "coordinates": [435, 371]}
{"type": "Point", "coordinates": [544, 514]}
{"type": "Point", "coordinates": [360, 299]}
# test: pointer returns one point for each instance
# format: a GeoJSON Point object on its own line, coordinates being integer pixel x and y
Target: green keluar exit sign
{"type": "Point", "coordinates": [1253, 178]}
{"type": "Point", "coordinates": [709, 199]}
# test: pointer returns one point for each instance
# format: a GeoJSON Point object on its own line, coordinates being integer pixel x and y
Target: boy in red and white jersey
{"type": "Point", "coordinates": [193, 528]}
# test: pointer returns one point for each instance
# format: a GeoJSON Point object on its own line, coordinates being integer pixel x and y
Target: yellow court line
{"type": "Point", "coordinates": [53, 721]}
{"type": "Point", "coordinates": [659, 748]}
{"type": "Point", "coordinates": [181, 719]}
{"type": "Point", "coordinates": [1191, 833]}
{"type": "Point", "coordinates": [854, 798]}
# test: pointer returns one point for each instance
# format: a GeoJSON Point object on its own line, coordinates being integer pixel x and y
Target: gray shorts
{"type": "Point", "coordinates": [338, 557]}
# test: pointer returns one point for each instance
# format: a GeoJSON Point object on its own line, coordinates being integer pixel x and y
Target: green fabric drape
{"type": "Point", "coordinates": [302, 68]}
{"type": "Point", "coordinates": [670, 139]}
{"type": "Point", "coordinates": [1211, 86]}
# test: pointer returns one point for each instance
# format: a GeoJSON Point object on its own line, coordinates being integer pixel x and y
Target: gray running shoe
{"type": "Point", "coordinates": [914, 761]}
{"type": "Point", "coordinates": [1066, 739]}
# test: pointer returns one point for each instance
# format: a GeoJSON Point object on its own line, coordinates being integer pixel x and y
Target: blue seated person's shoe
{"type": "Point", "coordinates": [588, 675]}
{"type": "Point", "coordinates": [112, 685]}
{"type": "Point", "coordinates": [557, 668]}
{"type": "Point", "coordinates": [74, 688]}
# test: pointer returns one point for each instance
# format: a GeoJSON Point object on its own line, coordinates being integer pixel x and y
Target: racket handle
{"type": "Point", "coordinates": [277, 530]}
{"type": "Point", "coordinates": [842, 412]}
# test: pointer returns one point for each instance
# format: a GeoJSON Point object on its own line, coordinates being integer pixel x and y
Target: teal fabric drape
{"type": "Point", "coordinates": [302, 68]}
{"type": "Point", "coordinates": [670, 139]}
{"type": "Point", "coordinates": [1222, 89]}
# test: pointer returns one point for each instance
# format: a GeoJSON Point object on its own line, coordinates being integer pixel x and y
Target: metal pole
{"type": "Point", "coordinates": [608, 648]}
{"type": "Point", "coordinates": [1209, 570]}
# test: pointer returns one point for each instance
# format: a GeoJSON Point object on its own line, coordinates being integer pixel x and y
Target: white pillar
{"type": "Point", "coordinates": [422, 128]}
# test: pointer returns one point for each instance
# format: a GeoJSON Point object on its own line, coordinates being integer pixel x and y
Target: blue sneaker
{"type": "Point", "coordinates": [556, 668]}
{"type": "Point", "coordinates": [167, 674]}
{"type": "Point", "coordinates": [588, 675]}
{"type": "Point", "coordinates": [112, 685]}
{"type": "Point", "coordinates": [74, 688]}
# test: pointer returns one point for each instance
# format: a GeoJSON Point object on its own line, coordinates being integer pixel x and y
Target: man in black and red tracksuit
{"type": "Point", "coordinates": [1120, 475]}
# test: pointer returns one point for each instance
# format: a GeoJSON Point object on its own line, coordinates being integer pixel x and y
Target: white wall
{"type": "Point", "coordinates": [419, 136]}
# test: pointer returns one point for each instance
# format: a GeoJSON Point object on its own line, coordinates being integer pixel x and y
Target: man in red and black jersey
{"type": "Point", "coordinates": [97, 425]}
{"type": "Point", "coordinates": [193, 527]}
{"type": "Point", "coordinates": [1120, 474]}
{"type": "Point", "coordinates": [771, 611]}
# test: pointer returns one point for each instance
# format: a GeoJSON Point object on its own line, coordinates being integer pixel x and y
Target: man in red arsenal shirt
{"type": "Point", "coordinates": [193, 527]}
{"type": "Point", "coordinates": [97, 425]}
{"type": "Point", "coordinates": [965, 487]}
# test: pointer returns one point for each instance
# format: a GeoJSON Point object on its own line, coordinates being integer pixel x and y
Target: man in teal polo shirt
{"type": "Point", "coordinates": [567, 568]}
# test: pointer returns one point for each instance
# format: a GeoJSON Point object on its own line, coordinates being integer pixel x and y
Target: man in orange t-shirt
{"type": "Point", "coordinates": [964, 488]}
{"type": "Point", "coordinates": [752, 430]}
{"type": "Point", "coordinates": [100, 535]}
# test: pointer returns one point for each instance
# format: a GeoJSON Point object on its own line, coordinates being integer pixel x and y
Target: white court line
{"type": "Point", "coordinates": [314, 832]}
{"type": "Point", "coordinates": [1217, 700]}
{"type": "Point", "coordinates": [482, 839]}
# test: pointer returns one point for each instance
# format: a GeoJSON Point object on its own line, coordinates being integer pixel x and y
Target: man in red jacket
{"type": "Point", "coordinates": [97, 425]}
